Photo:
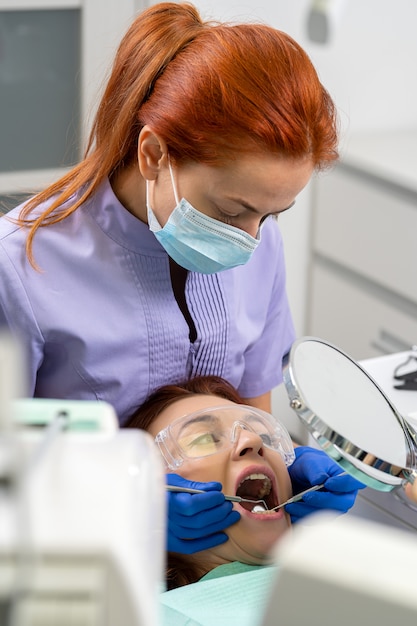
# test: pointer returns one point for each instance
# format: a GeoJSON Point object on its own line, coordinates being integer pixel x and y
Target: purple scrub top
{"type": "Point", "coordinates": [100, 320]}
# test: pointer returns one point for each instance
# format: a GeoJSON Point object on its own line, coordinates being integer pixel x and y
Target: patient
{"type": "Point", "coordinates": [205, 433]}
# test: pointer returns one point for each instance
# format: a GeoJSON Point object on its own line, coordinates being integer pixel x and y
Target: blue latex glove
{"type": "Point", "coordinates": [312, 467]}
{"type": "Point", "coordinates": [195, 521]}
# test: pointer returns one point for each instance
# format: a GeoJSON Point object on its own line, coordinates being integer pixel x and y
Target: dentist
{"type": "Point", "coordinates": [158, 257]}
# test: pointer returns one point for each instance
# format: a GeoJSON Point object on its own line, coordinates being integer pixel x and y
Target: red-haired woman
{"type": "Point", "coordinates": [158, 256]}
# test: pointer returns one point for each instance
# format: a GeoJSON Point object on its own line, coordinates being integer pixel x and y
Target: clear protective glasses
{"type": "Point", "coordinates": [210, 431]}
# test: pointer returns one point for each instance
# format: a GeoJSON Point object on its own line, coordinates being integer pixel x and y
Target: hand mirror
{"type": "Point", "coordinates": [349, 416]}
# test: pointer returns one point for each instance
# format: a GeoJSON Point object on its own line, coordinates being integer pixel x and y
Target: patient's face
{"type": "Point", "coordinates": [247, 467]}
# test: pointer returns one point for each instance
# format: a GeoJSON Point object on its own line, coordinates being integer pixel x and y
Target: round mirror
{"type": "Point", "coordinates": [348, 415]}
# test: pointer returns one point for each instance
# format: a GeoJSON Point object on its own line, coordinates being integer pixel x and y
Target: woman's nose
{"type": "Point", "coordinates": [247, 441]}
{"type": "Point", "coordinates": [252, 226]}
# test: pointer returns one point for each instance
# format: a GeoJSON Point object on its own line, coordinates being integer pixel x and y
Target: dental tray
{"type": "Point", "coordinates": [82, 415]}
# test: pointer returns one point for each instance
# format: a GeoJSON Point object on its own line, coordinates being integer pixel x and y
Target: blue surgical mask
{"type": "Point", "coordinates": [197, 242]}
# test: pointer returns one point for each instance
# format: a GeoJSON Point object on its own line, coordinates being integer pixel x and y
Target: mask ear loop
{"type": "Point", "coordinates": [147, 193]}
{"type": "Point", "coordinates": [148, 206]}
{"type": "Point", "coordinates": [174, 186]}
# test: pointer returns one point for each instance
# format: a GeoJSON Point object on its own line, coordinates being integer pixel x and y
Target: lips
{"type": "Point", "coordinates": [257, 484]}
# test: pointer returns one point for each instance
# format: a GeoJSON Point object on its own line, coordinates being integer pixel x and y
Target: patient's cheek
{"type": "Point", "coordinates": [285, 487]}
{"type": "Point", "coordinates": [198, 470]}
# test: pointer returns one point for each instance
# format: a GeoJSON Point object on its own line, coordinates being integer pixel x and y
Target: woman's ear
{"type": "Point", "coordinates": [152, 153]}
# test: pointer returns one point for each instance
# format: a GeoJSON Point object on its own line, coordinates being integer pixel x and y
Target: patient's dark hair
{"type": "Point", "coordinates": [180, 569]}
{"type": "Point", "coordinates": [163, 397]}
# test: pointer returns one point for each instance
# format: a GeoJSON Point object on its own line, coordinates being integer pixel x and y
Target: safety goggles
{"type": "Point", "coordinates": [210, 431]}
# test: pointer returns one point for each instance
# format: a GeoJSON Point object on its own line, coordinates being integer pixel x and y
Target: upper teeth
{"type": "Point", "coordinates": [266, 487]}
{"type": "Point", "coordinates": [255, 477]}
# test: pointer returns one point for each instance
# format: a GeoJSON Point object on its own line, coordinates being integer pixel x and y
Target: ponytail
{"type": "Point", "coordinates": [151, 42]}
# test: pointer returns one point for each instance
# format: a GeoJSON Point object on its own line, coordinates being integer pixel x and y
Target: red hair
{"type": "Point", "coordinates": [163, 397]}
{"type": "Point", "coordinates": [248, 88]}
{"type": "Point", "coordinates": [212, 91]}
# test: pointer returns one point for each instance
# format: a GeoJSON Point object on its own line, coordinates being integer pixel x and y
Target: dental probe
{"type": "Point", "coordinates": [297, 497]}
{"type": "Point", "coordinates": [301, 494]}
{"type": "Point", "coordinates": [177, 489]}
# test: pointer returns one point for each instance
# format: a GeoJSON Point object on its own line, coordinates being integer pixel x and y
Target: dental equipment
{"type": "Point", "coordinates": [177, 489]}
{"type": "Point", "coordinates": [290, 500]}
{"type": "Point", "coordinates": [74, 536]}
{"type": "Point", "coordinates": [332, 564]}
{"type": "Point", "coordinates": [349, 415]}
{"type": "Point", "coordinates": [297, 497]}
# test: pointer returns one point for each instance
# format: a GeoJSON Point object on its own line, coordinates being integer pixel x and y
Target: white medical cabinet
{"type": "Point", "coordinates": [363, 287]}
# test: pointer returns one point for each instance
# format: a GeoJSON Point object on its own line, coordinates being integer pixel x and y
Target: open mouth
{"type": "Point", "coordinates": [255, 487]}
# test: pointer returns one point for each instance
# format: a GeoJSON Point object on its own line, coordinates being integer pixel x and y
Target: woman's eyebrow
{"type": "Point", "coordinates": [207, 417]}
{"type": "Point", "coordinates": [252, 209]}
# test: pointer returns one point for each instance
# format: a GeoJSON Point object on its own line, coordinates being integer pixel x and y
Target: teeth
{"type": "Point", "coordinates": [255, 477]}
{"type": "Point", "coordinates": [265, 488]}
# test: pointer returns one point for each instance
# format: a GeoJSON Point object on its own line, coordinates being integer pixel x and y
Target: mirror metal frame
{"type": "Point", "coordinates": [363, 464]}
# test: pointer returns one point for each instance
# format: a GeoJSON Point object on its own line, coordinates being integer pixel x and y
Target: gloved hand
{"type": "Point", "coordinates": [312, 467]}
{"type": "Point", "coordinates": [195, 521]}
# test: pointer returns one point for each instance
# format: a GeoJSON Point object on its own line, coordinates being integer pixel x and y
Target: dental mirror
{"type": "Point", "coordinates": [348, 415]}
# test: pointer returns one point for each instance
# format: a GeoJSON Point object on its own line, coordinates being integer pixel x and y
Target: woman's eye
{"type": "Point", "coordinates": [203, 444]}
{"type": "Point", "coordinates": [267, 439]}
{"type": "Point", "coordinates": [207, 439]}
{"type": "Point", "coordinates": [225, 217]}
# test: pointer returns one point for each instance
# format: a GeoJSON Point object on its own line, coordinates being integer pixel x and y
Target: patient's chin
{"type": "Point", "coordinates": [251, 545]}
